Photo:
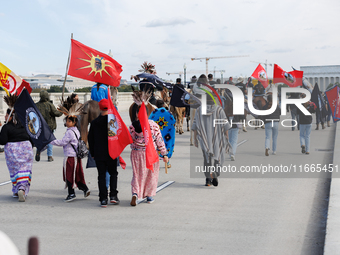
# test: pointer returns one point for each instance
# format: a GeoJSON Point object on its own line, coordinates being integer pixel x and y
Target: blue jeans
{"type": "Point", "coordinates": [272, 130]}
{"type": "Point", "coordinates": [233, 135]}
{"type": "Point", "coordinates": [49, 150]}
{"type": "Point", "coordinates": [107, 179]}
{"type": "Point", "coordinates": [305, 130]}
{"type": "Point", "coordinates": [295, 116]}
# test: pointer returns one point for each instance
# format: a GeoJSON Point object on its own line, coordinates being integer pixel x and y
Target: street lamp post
{"type": "Point", "coordinates": [185, 77]}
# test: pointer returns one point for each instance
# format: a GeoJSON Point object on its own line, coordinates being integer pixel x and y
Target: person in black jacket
{"type": "Point", "coordinates": [19, 155]}
{"type": "Point", "coordinates": [271, 127]}
{"type": "Point", "coordinates": [99, 149]}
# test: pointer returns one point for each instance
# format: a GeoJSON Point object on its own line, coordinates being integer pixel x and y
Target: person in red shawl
{"type": "Point", "coordinates": [144, 181]}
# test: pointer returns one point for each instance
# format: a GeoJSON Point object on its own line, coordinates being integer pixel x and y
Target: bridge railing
{"type": "Point", "coordinates": [124, 99]}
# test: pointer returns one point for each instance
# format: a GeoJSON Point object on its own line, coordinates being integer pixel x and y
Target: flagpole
{"type": "Point", "coordinates": [68, 62]}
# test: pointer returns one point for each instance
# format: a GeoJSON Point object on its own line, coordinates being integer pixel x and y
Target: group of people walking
{"type": "Point", "coordinates": [19, 152]}
{"type": "Point", "coordinates": [205, 131]}
{"type": "Point", "coordinates": [213, 140]}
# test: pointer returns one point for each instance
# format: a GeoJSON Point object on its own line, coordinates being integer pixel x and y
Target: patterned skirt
{"type": "Point", "coordinates": [19, 159]}
{"type": "Point", "coordinates": [144, 181]}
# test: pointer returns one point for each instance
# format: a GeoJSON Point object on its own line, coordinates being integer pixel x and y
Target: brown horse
{"type": "Point", "coordinates": [178, 113]}
{"type": "Point", "coordinates": [90, 112]}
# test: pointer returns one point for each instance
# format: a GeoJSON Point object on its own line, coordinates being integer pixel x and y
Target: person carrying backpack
{"type": "Point", "coordinates": [73, 173]}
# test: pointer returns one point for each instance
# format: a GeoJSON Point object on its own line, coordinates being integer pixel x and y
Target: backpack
{"type": "Point", "coordinates": [82, 148]}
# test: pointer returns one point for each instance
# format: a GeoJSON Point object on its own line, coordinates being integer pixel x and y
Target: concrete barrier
{"type": "Point", "coordinates": [332, 241]}
{"type": "Point", "coordinates": [124, 99]}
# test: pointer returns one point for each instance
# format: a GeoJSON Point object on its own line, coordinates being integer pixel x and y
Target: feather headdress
{"type": "Point", "coordinates": [10, 100]}
{"type": "Point", "coordinates": [148, 68]}
{"type": "Point", "coordinates": [141, 96]}
{"type": "Point", "coordinates": [70, 108]}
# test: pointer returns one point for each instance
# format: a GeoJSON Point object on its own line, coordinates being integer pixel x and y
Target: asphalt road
{"type": "Point", "coordinates": [243, 215]}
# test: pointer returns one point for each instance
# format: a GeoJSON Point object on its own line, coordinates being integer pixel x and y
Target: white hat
{"type": "Point", "coordinates": [240, 79]}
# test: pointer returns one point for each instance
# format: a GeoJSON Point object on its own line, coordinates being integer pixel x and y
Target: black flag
{"type": "Point", "coordinates": [317, 99]}
{"type": "Point", "coordinates": [30, 117]}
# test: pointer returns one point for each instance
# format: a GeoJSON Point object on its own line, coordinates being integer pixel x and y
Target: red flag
{"type": "Point", "coordinates": [89, 64]}
{"type": "Point", "coordinates": [334, 102]}
{"type": "Point", "coordinates": [261, 75]}
{"type": "Point", "coordinates": [23, 85]}
{"type": "Point", "coordinates": [118, 134]}
{"type": "Point", "coordinates": [150, 151]}
{"type": "Point", "coordinates": [292, 79]}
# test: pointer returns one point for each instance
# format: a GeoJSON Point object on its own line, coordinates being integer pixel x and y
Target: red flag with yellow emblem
{"type": "Point", "coordinates": [89, 64]}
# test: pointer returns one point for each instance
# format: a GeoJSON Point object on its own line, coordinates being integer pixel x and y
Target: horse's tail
{"type": "Point", "coordinates": [259, 104]}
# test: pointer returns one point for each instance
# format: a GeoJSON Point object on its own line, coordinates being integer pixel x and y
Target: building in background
{"type": "Point", "coordinates": [45, 81]}
{"type": "Point", "coordinates": [323, 75]}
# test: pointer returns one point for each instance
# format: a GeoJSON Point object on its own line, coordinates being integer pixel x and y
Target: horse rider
{"type": "Point", "coordinates": [99, 91]}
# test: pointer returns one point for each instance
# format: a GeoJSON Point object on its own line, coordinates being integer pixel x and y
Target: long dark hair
{"type": "Point", "coordinates": [98, 85]}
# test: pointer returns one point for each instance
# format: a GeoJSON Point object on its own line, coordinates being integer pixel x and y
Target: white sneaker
{"type": "Point", "coordinates": [21, 195]}
{"type": "Point", "coordinates": [274, 152]}
{"type": "Point", "coordinates": [232, 157]}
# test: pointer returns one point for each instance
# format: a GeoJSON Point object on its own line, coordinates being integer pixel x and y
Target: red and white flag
{"type": "Point", "coordinates": [89, 64]}
{"type": "Point", "coordinates": [292, 79]}
{"type": "Point", "coordinates": [334, 102]}
{"type": "Point", "coordinates": [150, 151]}
{"type": "Point", "coordinates": [118, 133]}
{"type": "Point", "coordinates": [11, 82]}
{"type": "Point", "coordinates": [261, 75]}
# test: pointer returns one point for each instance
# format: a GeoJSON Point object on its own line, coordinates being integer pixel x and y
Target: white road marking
{"type": "Point", "coordinates": [159, 188]}
{"type": "Point", "coordinates": [4, 183]}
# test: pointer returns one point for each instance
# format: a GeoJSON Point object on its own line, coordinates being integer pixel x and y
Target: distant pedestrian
{"type": "Point", "coordinates": [18, 153]}
{"type": "Point", "coordinates": [294, 111]}
{"type": "Point", "coordinates": [144, 181]}
{"type": "Point", "coordinates": [233, 134]}
{"type": "Point", "coordinates": [211, 80]}
{"type": "Point", "coordinates": [306, 126]}
{"type": "Point", "coordinates": [271, 127]}
{"type": "Point", "coordinates": [73, 173]}
{"type": "Point", "coordinates": [99, 149]}
{"type": "Point", "coordinates": [49, 113]}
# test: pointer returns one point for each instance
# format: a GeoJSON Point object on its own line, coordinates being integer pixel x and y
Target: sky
{"type": "Point", "coordinates": [35, 34]}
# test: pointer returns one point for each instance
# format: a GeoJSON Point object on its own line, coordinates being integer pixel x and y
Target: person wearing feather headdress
{"type": "Point", "coordinates": [18, 151]}
{"type": "Point", "coordinates": [73, 173]}
{"type": "Point", "coordinates": [49, 113]}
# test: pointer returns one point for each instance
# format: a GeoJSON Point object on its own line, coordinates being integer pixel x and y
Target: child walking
{"type": "Point", "coordinates": [144, 181]}
{"type": "Point", "coordinates": [73, 173]}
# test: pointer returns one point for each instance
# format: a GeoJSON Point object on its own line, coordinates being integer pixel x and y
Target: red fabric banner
{"type": "Point", "coordinates": [89, 64]}
{"type": "Point", "coordinates": [292, 79]}
{"type": "Point", "coordinates": [150, 151]}
{"type": "Point", "coordinates": [261, 75]}
{"type": "Point", "coordinates": [334, 102]}
{"type": "Point", "coordinates": [118, 133]}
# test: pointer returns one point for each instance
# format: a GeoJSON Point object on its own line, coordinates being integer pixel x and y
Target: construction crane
{"type": "Point", "coordinates": [208, 58]}
{"type": "Point", "coordinates": [179, 73]}
{"type": "Point", "coordinates": [265, 64]}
